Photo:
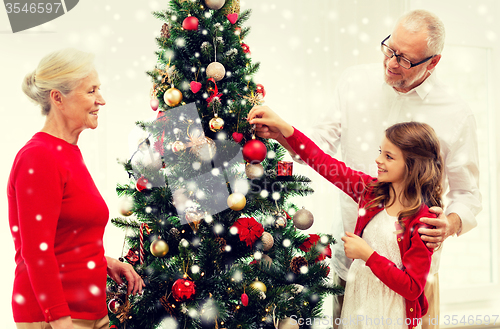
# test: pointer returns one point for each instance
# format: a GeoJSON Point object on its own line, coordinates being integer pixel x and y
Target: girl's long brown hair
{"type": "Point", "coordinates": [423, 173]}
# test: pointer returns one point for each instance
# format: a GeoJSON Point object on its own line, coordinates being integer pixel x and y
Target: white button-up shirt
{"type": "Point", "coordinates": [364, 106]}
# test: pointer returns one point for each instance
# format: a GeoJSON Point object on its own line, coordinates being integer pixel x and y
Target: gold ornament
{"type": "Point", "coordinates": [236, 201]}
{"type": "Point", "coordinates": [178, 146]}
{"type": "Point", "coordinates": [216, 124]}
{"type": "Point", "coordinates": [259, 286]}
{"type": "Point", "coordinates": [267, 241]}
{"type": "Point", "coordinates": [172, 97]}
{"type": "Point", "coordinates": [159, 248]}
{"type": "Point", "coordinates": [254, 171]}
{"type": "Point", "coordinates": [303, 219]}
{"type": "Point", "coordinates": [232, 8]}
{"type": "Point", "coordinates": [216, 70]}
{"type": "Point", "coordinates": [215, 4]}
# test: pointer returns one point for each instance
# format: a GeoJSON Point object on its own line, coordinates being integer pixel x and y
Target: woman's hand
{"type": "Point", "coordinates": [62, 323]}
{"type": "Point", "coordinates": [264, 116]}
{"type": "Point", "coordinates": [355, 247]}
{"type": "Point", "coordinates": [117, 270]}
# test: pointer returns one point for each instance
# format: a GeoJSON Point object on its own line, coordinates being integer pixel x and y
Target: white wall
{"type": "Point", "coordinates": [303, 46]}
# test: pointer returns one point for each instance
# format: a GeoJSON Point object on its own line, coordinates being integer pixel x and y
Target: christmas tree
{"type": "Point", "coordinates": [206, 208]}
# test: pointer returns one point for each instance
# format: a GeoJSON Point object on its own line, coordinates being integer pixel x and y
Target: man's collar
{"type": "Point", "coordinates": [422, 89]}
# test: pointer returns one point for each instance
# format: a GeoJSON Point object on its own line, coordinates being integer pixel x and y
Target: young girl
{"type": "Point", "coordinates": [385, 284]}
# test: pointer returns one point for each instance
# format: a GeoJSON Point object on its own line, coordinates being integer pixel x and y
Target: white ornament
{"type": "Point", "coordinates": [216, 70]}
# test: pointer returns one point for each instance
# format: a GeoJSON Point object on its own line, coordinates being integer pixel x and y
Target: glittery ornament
{"type": "Point", "coordinates": [216, 70]}
{"type": "Point", "coordinates": [267, 241]}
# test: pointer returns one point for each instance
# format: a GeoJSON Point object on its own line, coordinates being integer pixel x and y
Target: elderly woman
{"type": "Point", "coordinates": [57, 216]}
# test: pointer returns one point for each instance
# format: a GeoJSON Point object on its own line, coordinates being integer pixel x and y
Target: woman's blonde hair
{"type": "Point", "coordinates": [423, 169]}
{"type": "Point", "coordinates": [61, 70]}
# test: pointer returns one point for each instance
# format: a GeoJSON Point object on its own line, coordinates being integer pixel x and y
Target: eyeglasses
{"type": "Point", "coordinates": [403, 62]}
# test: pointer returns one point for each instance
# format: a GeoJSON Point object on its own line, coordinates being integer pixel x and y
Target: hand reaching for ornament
{"type": "Point", "coordinates": [355, 247]}
{"type": "Point", "coordinates": [118, 270]}
{"type": "Point", "coordinates": [264, 116]}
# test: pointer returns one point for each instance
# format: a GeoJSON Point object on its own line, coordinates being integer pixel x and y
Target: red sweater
{"type": "Point", "coordinates": [57, 219]}
{"type": "Point", "coordinates": [416, 257]}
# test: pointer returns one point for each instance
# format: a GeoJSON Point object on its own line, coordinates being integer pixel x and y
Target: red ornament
{"type": "Point", "coordinates": [260, 90]}
{"type": "Point", "coordinates": [312, 241]}
{"type": "Point", "coordinates": [249, 230]}
{"type": "Point", "coordinates": [142, 184]}
{"type": "Point", "coordinates": [244, 299]}
{"type": "Point", "coordinates": [254, 151]}
{"type": "Point", "coordinates": [195, 86]}
{"type": "Point", "coordinates": [285, 168]}
{"type": "Point", "coordinates": [237, 30]}
{"type": "Point", "coordinates": [237, 137]}
{"type": "Point", "coordinates": [154, 104]}
{"type": "Point", "coordinates": [246, 49]}
{"type": "Point", "coordinates": [190, 23]}
{"type": "Point", "coordinates": [232, 18]}
{"type": "Point", "coordinates": [183, 289]}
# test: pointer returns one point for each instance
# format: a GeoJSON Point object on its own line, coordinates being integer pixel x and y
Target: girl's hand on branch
{"type": "Point", "coordinates": [264, 116]}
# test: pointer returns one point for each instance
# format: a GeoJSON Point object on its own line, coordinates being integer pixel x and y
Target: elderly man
{"type": "Point", "coordinates": [369, 98]}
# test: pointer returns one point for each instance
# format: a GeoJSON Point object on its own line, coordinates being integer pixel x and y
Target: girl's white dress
{"type": "Point", "coordinates": [368, 302]}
